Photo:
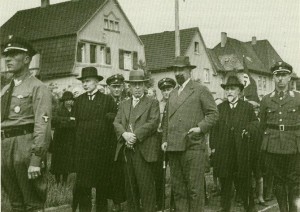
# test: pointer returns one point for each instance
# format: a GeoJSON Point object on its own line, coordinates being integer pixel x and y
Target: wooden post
{"type": "Point", "coordinates": [177, 36]}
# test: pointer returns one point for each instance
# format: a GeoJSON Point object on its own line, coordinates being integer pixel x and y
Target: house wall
{"type": "Point", "coordinates": [125, 39]}
{"type": "Point", "coordinates": [204, 71]}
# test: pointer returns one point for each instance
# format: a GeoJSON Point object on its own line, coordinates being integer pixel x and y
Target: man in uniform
{"type": "Point", "coordinates": [280, 119]}
{"type": "Point", "coordinates": [166, 85]}
{"type": "Point", "coordinates": [191, 112]}
{"type": "Point", "coordinates": [115, 84]}
{"type": "Point", "coordinates": [25, 130]}
{"type": "Point", "coordinates": [136, 124]}
{"type": "Point", "coordinates": [94, 150]}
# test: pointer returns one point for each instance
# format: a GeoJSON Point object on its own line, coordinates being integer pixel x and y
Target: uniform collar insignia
{"type": "Point", "coordinates": [291, 93]}
{"type": "Point", "coordinates": [273, 94]}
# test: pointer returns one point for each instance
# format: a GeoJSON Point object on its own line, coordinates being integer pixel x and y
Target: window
{"type": "Point", "coordinates": [264, 83]}
{"type": "Point", "coordinates": [206, 75]}
{"type": "Point", "coordinates": [102, 55]}
{"type": "Point", "coordinates": [92, 53]}
{"type": "Point", "coordinates": [106, 24]}
{"type": "Point", "coordinates": [259, 83]}
{"type": "Point", "coordinates": [81, 52]}
{"type": "Point", "coordinates": [117, 26]}
{"type": "Point", "coordinates": [196, 48]}
{"type": "Point", "coordinates": [107, 56]}
{"type": "Point", "coordinates": [111, 25]}
{"type": "Point", "coordinates": [128, 60]}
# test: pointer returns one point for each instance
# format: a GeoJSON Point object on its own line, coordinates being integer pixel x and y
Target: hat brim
{"type": "Point", "coordinates": [100, 78]}
{"type": "Point", "coordinates": [182, 66]}
{"type": "Point", "coordinates": [237, 85]}
{"type": "Point", "coordinates": [145, 80]}
{"type": "Point", "coordinates": [282, 71]}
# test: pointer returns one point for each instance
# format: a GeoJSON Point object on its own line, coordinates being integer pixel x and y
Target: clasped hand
{"type": "Point", "coordinates": [130, 139]}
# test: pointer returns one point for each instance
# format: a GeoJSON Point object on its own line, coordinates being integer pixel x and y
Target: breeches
{"type": "Point", "coordinates": [23, 194]}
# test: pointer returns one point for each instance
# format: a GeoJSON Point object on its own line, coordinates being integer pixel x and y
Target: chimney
{"type": "Point", "coordinates": [45, 3]}
{"type": "Point", "coordinates": [223, 39]}
{"type": "Point", "coordinates": [253, 42]}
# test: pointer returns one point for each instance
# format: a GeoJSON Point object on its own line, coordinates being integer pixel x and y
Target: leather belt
{"type": "Point", "coordinates": [283, 127]}
{"type": "Point", "coordinates": [16, 131]}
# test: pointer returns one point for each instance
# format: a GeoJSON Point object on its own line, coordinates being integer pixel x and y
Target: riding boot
{"type": "Point", "coordinates": [293, 196]}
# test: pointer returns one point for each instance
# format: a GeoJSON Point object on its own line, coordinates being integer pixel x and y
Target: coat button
{"type": "Point", "coordinates": [280, 112]}
{"type": "Point", "coordinates": [280, 119]}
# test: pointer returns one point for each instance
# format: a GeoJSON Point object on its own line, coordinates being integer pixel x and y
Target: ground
{"type": "Point", "coordinates": [60, 197]}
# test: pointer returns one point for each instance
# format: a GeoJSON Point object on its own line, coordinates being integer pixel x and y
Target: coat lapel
{"type": "Point", "coordinates": [127, 108]}
{"type": "Point", "coordinates": [141, 106]}
{"type": "Point", "coordinates": [177, 101]}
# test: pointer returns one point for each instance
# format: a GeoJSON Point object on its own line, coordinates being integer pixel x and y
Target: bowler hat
{"type": "Point", "coordinates": [137, 76]}
{"type": "Point", "coordinates": [90, 72]}
{"type": "Point", "coordinates": [18, 44]}
{"type": "Point", "coordinates": [116, 79]}
{"type": "Point", "coordinates": [165, 83]}
{"type": "Point", "coordinates": [281, 66]}
{"type": "Point", "coordinates": [182, 61]}
{"type": "Point", "coordinates": [233, 80]}
{"type": "Point", "coordinates": [67, 96]}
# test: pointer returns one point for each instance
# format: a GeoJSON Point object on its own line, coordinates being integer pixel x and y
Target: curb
{"type": "Point", "coordinates": [269, 207]}
{"type": "Point", "coordinates": [57, 208]}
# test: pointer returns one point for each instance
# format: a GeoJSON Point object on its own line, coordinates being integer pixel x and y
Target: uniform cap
{"type": "Point", "coordinates": [166, 82]}
{"type": "Point", "coordinates": [281, 66]}
{"type": "Point", "coordinates": [116, 79]}
{"type": "Point", "coordinates": [17, 44]}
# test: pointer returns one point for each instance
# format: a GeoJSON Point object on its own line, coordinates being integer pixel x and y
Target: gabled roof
{"type": "Point", "coordinates": [54, 20]}
{"type": "Point", "coordinates": [259, 56]}
{"type": "Point", "coordinates": [160, 47]}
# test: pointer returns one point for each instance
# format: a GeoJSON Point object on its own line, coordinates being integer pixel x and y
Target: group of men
{"type": "Point", "coordinates": [131, 134]}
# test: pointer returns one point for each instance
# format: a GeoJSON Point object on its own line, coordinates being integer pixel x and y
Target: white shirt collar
{"type": "Point", "coordinates": [137, 99]}
{"type": "Point", "coordinates": [184, 84]}
{"type": "Point", "coordinates": [93, 93]}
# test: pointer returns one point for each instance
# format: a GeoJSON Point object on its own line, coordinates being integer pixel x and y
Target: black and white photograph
{"type": "Point", "coordinates": [150, 105]}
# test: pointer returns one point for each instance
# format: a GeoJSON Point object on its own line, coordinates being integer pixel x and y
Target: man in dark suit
{"type": "Point", "coordinates": [190, 113]}
{"type": "Point", "coordinates": [94, 150]}
{"type": "Point", "coordinates": [280, 119]}
{"type": "Point", "coordinates": [136, 124]}
{"type": "Point", "coordinates": [229, 147]}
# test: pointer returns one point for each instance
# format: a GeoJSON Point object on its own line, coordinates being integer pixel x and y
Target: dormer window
{"type": "Point", "coordinates": [111, 23]}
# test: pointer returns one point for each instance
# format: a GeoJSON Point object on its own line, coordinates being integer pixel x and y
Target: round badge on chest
{"type": "Point", "coordinates": [17, 109]}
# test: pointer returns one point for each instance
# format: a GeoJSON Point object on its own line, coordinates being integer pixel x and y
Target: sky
{"type": "Point", "coordinates": [276, 20]}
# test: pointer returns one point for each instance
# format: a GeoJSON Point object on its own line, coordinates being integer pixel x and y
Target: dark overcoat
{"type": "Point", "coordinates": [94, 146]}
{"type": "Point", "coordinates": [63, 140]}
{"type": "Point", "coordinates": [226, 138]}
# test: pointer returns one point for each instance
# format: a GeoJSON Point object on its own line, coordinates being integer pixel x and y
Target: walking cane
{"type": "Point", "coordinates": [245, 133]}
{"type": "Point", "coordinates": [164, 180]}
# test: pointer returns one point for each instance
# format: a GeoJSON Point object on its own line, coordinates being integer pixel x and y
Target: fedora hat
{"type": "Point", "coordinates": [182, 61]}
{"type": "Point", "coordinates": [137, 76]}
{"type": "Point", "coordinates": [89, 72]}
{"type": "Point", "coordinates": [233, 80]}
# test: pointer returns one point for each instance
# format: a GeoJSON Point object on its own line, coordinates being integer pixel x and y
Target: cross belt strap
{"type": "Point", "coordinates": [283, 127]}
{"type": "Point", "coordinates": [14, 131]}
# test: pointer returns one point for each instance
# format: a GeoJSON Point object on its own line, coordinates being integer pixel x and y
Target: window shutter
{"type": "Point", "coordinates": [121, 59]}
{"type": "Point", "coordinates": [108, 56]}
{"type": "Point", "coordinates": [135, 60]}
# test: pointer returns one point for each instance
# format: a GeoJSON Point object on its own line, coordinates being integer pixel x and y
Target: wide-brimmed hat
{"type": "Point", "coordinates": [18, 44]}
{"type": "Point", "coordinates": [182, 61]}
{"type": "Point", "coordinates": [137, 76]}
{"type": "Point", "coordinates": [67, 96]}
{"type": "Point", "coordinates": [90, 72]}
{"type": "Point", "coordinates": [233, 80]}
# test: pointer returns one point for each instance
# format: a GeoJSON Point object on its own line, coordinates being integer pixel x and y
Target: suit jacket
{"type": "Point", "coordinates": [226, 138]}
{"type": "Point", "coordinates": [144, 127]}
{"type": "Point", "coordinates": [194, 107]}
{"type": "Point", "coordinates": [94, 147]}
{"type": "Point", "coordinates": [281, 112]}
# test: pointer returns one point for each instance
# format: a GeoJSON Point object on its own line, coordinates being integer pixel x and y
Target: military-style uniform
{"type": "Point", "coordinates": [25, 138]}
{"type": "Point", "coordinates": [280, 118]}
{"type": "Point", "coordinates": [25, 131]}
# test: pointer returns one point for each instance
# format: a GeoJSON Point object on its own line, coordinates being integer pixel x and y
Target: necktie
{"type": "Point", "coordinates": [6, 100]}
{"type": "Point", "coordinates": [135, 101]}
